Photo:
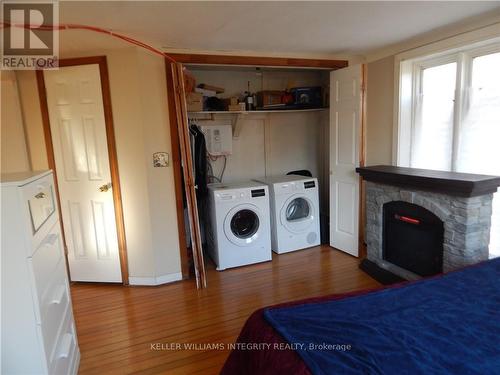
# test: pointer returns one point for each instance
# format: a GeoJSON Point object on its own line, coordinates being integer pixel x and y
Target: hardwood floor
{"type": "Point", "coordinates": [117, 325]}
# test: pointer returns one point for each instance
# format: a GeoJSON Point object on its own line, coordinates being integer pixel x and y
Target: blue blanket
{"type": "Point", "coordinates": [443, 325]}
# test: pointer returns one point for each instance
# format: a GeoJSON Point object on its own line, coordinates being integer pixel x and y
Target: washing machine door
{"type": "Point", "coordinates": [298, 213]}
{"type": "Point", "coordinates": [242, 224]}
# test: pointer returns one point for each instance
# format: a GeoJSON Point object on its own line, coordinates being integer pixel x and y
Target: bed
{"type": "Point", "coordinates": [448, 324]}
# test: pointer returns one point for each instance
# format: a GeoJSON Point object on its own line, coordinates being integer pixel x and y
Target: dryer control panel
{"type": "Point", "coordinates": [286, 187]}
{"type": "Point", "coordinates": [294, 186]}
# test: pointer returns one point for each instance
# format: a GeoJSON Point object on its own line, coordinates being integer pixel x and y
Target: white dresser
{"type": "Point", "coordinates": [38, 330]}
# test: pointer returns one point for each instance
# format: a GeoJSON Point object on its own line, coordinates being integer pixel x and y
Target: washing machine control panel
{"type": "Point", "coordinates": [226, 196]}
{"type": "Point", "coordinates": [244, 194]}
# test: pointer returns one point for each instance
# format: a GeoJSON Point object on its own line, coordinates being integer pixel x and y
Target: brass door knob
{"type": "Point", "coordinates": [104, 188]}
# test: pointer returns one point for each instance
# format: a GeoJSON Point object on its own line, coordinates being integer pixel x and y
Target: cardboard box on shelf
{"type": "Point", "coordinates": [218, 90]}
{"type": "Point", "coordinates": [268, 98]}
{"type": "Point", "coordinates": [236, 107]}
{"type": "Point", "coordinates": [205, 92]}
{"type": "Point", "coordinates": [189, 81]}
{"type": "Point", "coordinates": [194, 102]}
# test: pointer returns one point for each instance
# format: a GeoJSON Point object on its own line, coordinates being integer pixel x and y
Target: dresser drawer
{"type": "Point", "coordinates": [66, 350]}
{"type": "Point", "coordinates": [41, 209]}
{"type": "Point", "coordinates": [52, 327]}
{"type": "Point", "coordinates": [54, 305]}
{"type": "Point", "coordinates": [55, 300]}
{"type": "Point", "coordinates": [44, 261]}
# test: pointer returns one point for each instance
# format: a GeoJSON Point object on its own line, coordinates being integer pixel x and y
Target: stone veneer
{"type": "Point", "coordinates": [467, 223]}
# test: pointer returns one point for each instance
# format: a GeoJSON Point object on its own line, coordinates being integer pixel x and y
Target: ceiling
{"type": "Point", "coordinates": [319, 27]}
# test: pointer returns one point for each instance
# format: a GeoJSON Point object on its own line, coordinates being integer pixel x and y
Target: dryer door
{"type": "Point", "coordinates": [298, 213]}
{"type": "Point", "coordinates": [242, 224]}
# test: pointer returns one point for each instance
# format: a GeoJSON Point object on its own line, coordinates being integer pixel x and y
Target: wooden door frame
{"type": "Point", "coordinates": [189, 178]}
{"type": "Point", "coordinates": [176, 165]}
{"type": "Point", "coordinates": [263, 61]}
{"type": "Point", "coordinates": [112, 153]}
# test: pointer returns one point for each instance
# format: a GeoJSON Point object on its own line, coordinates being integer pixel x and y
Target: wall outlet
{"type": "Point", "coordinates": [160, 159]}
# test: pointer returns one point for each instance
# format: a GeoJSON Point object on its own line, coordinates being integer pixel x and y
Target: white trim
{"type": "Point", "coordinates": [158, 280]}
{"type": "Point", "coordinates": [481, 26]}
{"type": "Point", "coordinates": [454, 42]}
{"type": "Point", "coordinates": [76, 361]}
{"type": "Point", "coordinates": [474, 43]}
{"type": "Point", "coordinates": [395, 114]}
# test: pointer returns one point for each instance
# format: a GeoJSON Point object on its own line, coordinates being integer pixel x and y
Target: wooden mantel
{"type": "Point", "coordinates": [450, 183]}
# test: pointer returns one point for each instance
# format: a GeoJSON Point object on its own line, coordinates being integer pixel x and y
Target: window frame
{"type": "Point", "coordinates": [408, 82]}
{"type": "Point", "coordinates": [418, 68]}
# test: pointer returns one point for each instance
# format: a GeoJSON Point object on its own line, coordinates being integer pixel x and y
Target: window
{"type": "Point", "coordinates": [434, 109]}
{"type": "Point", "coordinates": [449, 116]}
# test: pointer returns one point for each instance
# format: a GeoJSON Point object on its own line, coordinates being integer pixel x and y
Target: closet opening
{"type": "Point", "coordinates": [237, 129]}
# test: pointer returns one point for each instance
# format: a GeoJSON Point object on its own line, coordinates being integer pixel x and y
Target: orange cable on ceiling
{"type": "Point", "coordinates": [62, 27]}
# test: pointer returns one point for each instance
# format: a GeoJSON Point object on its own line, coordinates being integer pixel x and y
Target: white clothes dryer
{"type": "Point", "coordinates": [294, 212]}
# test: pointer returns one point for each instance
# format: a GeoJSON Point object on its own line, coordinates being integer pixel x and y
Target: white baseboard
{"type": "Point", "coordinates": [158, 280]}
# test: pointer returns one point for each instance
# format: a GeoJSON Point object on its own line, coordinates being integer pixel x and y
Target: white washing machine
{"type": "Point", "coordinates": [294, 212]}
{"type": "Point", "coordinates": [240, 232]}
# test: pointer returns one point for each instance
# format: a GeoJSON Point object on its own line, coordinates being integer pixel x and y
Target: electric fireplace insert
{"type": "Point", "coordinates": [412, 238]}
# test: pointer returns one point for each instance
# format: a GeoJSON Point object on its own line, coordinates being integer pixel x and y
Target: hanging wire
{"type": "Point", "coordinates": [213, 158]}
{"type": "Point", "coordinates": [63, 27]}
{"type": "Point", "coordinates": [210, 173]}
{"type": "Point", "coordinates": [223, 168]}
{"type": "Point", "coordinates": [214, 178]}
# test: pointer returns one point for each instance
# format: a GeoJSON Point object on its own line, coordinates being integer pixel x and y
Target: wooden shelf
{"type": "Point", "coordinates": [237, 115]}
{"type": "Point", "coordinates": [259, 111]}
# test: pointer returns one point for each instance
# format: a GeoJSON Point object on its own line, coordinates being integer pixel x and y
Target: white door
{"type": "Point", "coordinates": [345, 130]}
{"type": "Point", "coordinates": [79, 140]}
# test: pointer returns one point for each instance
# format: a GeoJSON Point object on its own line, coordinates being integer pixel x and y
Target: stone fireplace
{"type": "Point", "coordinates": [406, 239]}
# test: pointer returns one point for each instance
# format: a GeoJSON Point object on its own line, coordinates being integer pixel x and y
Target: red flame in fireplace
{"type": "Point", "coordinates": [407, 219]}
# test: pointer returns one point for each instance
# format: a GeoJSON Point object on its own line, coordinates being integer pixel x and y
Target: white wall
{"type": "Point", "coordinates": [33, 122]}
{"type": "Point", "coordinates": [140, 114]}
{"type": "Point", "coordinates": [139, 102]}
{"type": "Point", "coordinates": [161, 188]}
{"type": "Point", "coordinates": [381, 85]}
{"type": "Point", "coordinates": [379, 111]}
{"type": "Point", "coordinates": [130, 144]}
{"type": "Point", "coordinates": [14, 155]}
{"type": "Point", "coordinates": [269, 144]}
{"type": "Point", "coordinates": [275, 143]}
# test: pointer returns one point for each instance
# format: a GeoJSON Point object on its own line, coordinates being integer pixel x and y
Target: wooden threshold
{"type": "Point", "coordinates": [117, 326]}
